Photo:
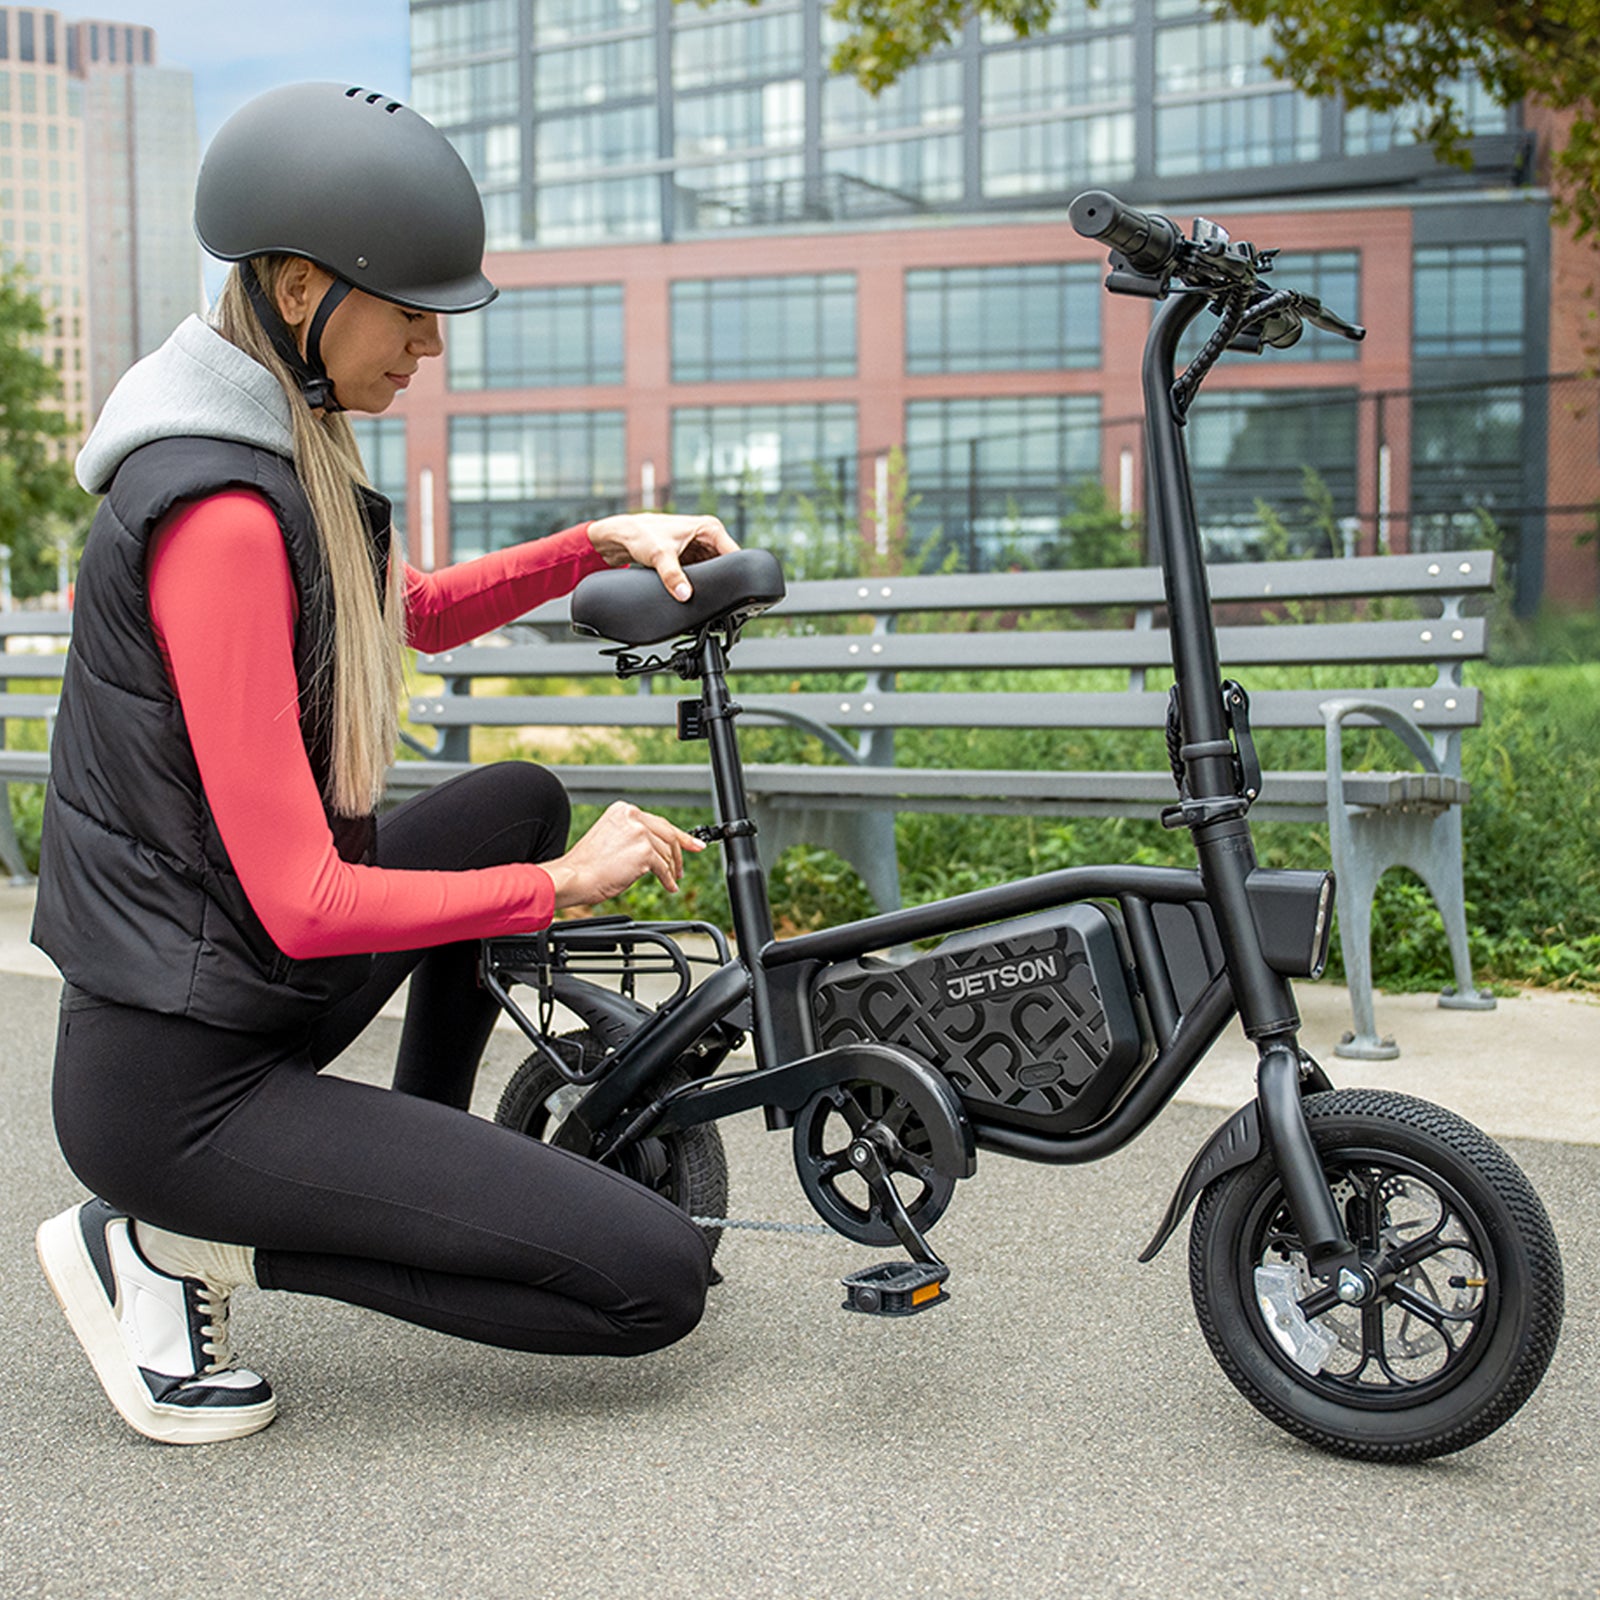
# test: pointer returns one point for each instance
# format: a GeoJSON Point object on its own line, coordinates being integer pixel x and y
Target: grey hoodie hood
{"type": "Point", "coordinates": [196, 385]}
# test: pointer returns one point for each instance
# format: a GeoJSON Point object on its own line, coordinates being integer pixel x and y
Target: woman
{"type": "Point", "coordinates": [225, 905]}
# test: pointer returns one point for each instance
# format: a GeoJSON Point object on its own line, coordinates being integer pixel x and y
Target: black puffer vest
{"type": "Point", "coordinates": [138, 901]}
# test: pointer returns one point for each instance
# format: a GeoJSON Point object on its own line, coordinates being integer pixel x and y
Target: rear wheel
{"type": "Point", "coordinates": [689, 1167]}
{"type": "Point", "coordinates": [1469, 1300]}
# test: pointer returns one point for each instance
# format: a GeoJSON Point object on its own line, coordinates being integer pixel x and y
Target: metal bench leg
{"type": "Point", "coordinates": [10, 846]}
{"type": "Point", "coordinates": [863, 838]}
{"type": "Point", "coordinates": [1358, 881]}
{"type": "Point", "coordinates": [1442, 874]}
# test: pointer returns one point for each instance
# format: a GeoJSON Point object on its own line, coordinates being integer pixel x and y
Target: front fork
{"type": "Point", "coordinates": [1267, 1009]}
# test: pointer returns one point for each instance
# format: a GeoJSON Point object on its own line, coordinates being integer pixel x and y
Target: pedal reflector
{"type": "Point", "coordinates": [895, 1288]}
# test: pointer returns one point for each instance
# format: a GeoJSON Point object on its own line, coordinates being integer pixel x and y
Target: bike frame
{"type": "Point", "coordinates": [764, 988]}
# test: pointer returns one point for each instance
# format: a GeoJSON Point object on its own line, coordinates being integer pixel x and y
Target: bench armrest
{"type": "Point", "coordinates": [1335, 714]}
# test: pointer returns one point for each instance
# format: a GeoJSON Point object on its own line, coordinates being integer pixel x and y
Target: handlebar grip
{"type": "Point", "coordinates": [1146, 240]}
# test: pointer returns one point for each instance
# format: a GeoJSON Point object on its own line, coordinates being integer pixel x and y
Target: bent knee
{"type": "Point", "coordinates": [670, 1294]}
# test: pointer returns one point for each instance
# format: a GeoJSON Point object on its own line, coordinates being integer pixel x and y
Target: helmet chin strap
{"type": "Point", "coordinates": [315, 384]}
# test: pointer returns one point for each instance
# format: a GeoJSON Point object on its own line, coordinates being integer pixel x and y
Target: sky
{"type": "Point", "coordinates": [237, 54]}
{"type": "Point", "coordinates": [237, 51]}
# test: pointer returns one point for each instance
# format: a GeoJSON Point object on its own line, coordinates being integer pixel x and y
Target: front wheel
{"type": "Point", "coordinates": [1469, 1298]}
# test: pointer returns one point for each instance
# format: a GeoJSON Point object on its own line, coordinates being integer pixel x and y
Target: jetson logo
{"type": "Point", "coordinates": [1013, 975]}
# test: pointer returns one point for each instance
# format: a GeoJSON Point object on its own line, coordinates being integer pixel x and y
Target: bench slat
{"type": "Point", "coordinates": [1452, 572]}
{"type": "Point", "coordinates": [24, 766]}
{"type": "Point", "coordinates": [28, 705]}
{"type": "Point", "coordinates": [789, 784]}
{"type": "Point", "coordinates": [1298, 644]}
{"type": "Point", "coordinates": [14, 664]}
{"type": "Point", "coordinates": [1117, 708]}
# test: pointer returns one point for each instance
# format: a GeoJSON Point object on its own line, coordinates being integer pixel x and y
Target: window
{"type": "Point", "coordinates": [993, 477]}
{"type": "Point", "coordinates": [1048, 77]}
{"type": "Point", "coordinates": [609, 208]}
{"type": "Point", "coordinates": [1069, 16]}
{"type": "Point", "coordinates": [383, 450]}
{"type": "Point", "coordinates": [583, 141]}
{"type": "Point", "coordinates": [766, 45]}
{"type": "Point", "coordinates": [523, 476]}
{"type": "Point", "coordinates": [915, 170]}
{"type": "Point", "coordinates": [624, 69]}
{"type": "Point", "coordinates": [1468, 300]}
{"type": "Point", "coordinates": [1057, 156]}
{"type": "Point", "coordinates": [791, 327]}
{"type": "Point", "coordinates": [555, 21]}
{"type": "Point", "coordinates": [1211, 55]}
{"type": "Point", "coordinates": [1467, 464]}
{"type": "Point", "coordinates": [976, 319]}
{"type": "Point", "coordinates": [474, 93]}
{"type": "Point", "coordinates": [1366, 132]}
{"type": "Point", "coordinates": [492, 155]}
{"type": "Point", "coordinates": [732, 194]}
{"type": "Point", "coordinates": [540, 338]}
{"type": "Point", "coordinates": [740, 119]}
{"type": "Point", "coordinates": [783, 477]}
{"type": "Point", "coordinates": [926, 96]}
{"type": "Point", "coordinates": [771, 448]}
{"type": "Point", "coordinates": [469, 28]}
{"type": "Point", "coordinates": [1291, 450]}
{"type": "Point", "coordinates": [1245, 131]}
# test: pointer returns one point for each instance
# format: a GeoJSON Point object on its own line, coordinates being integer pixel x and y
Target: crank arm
{"type": "Point", "coordinates": [867, 1163]}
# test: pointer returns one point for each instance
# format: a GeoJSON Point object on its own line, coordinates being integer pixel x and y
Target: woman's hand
{"type": "Point", "coordinates": [616, 852]}
{"type": "Point", "coordinates": [665, 542]}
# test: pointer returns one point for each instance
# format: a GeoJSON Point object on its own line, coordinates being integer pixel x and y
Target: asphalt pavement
{"type": "Point", "coordinates": [1059, 1428]}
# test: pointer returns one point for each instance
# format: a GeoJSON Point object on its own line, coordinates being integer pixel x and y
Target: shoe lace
{"type": "Point", "coordinates": [213, 1305]}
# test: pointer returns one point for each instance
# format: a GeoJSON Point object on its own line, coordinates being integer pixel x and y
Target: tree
{"type": "Point", "coordinates": [1388, 55]}
{"type": "Point", "coordinates": [40, 503]}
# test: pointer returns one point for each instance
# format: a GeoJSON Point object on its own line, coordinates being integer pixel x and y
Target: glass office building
{"type": "Point", "coordinates": [732, 278]}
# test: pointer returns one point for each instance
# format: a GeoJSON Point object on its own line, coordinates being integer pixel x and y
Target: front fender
{"type": "Point", "coordinates": [1236, 1143]}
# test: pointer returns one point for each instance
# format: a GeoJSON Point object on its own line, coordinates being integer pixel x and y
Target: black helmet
{"type": "Point", "coordinates": [351, 180]}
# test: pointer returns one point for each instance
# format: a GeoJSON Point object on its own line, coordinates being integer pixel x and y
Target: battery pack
{"type": "Point", "coordinates": [1031, 1020]}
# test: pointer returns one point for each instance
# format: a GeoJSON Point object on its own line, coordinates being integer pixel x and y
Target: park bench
{"type": "Point", "coordinates": [32, 652]}
{"type": "Point", "coordinates": [876, 637]}
{"type": "Point", "coordinates": [1104, 620]}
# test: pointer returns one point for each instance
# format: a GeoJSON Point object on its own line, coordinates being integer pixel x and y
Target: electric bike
{"type": "Point", "coordinates": [1373, 1273]}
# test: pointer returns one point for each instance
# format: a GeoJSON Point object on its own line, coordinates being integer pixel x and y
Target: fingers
{"type": "Point", "coordinates": [672, 575]}
{"type": "Point", "coordinates": [693, 539]}
{"type": "Point", "coordinates": [625, 845]}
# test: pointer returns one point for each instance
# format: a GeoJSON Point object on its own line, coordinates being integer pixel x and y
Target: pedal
{"type": "Point", "coordinates": [896, 1288]}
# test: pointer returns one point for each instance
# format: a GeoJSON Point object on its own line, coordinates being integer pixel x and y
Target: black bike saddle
{"type": "Point", "coordinates": [630, 606]}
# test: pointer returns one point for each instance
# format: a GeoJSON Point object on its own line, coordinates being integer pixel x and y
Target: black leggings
{"type": "Point", "coordinates": [400, 1201]}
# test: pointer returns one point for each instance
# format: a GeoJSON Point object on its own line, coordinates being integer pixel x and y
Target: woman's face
{"type": "Point", "coordinates": [370, 347]}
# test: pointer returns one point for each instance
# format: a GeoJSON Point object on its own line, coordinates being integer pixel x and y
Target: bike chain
{"type": "Point", "coordinates": [752, 1226]}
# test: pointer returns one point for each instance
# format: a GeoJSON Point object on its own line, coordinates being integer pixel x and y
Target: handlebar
{"type": "Point", "coordinates": [1152, 249]}
{"type": "Point", "coordinates": [1148, 242]}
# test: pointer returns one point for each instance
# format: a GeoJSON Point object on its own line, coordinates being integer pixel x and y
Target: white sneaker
{"type": "Point", "coordinates": [159, 1344]}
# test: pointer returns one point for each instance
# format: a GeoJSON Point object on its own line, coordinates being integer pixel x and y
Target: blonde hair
{"type": "Point", "coordinates": [365, 658]}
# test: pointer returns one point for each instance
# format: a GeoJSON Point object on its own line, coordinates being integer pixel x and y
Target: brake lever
{"type": "Point", "coordinates": [1318, 315]}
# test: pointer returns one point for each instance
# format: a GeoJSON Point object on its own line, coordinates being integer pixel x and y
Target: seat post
{"type": "Point", "coordinates": [747, 880]}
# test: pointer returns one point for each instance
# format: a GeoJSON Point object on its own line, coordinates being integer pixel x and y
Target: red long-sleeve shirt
{"type": "Point", "coordinates": [223, 601]}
